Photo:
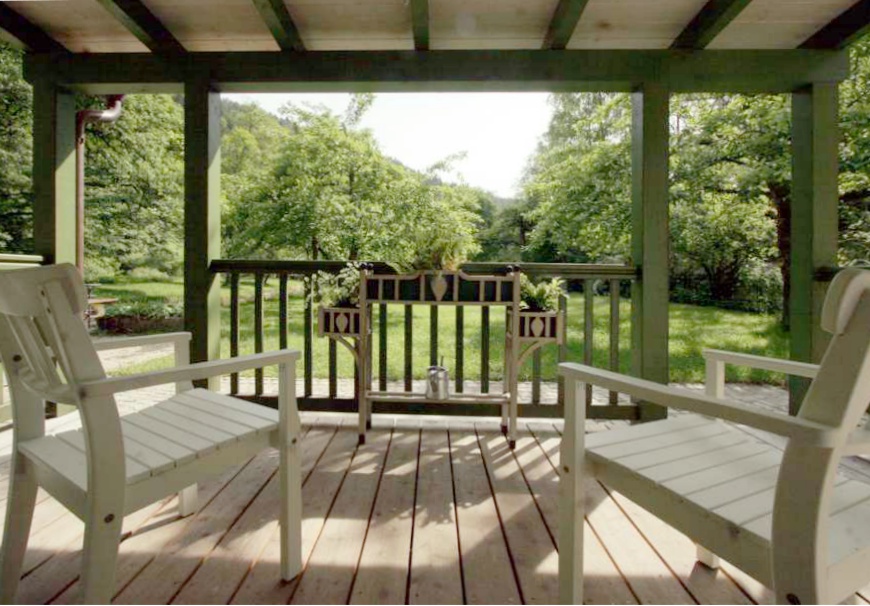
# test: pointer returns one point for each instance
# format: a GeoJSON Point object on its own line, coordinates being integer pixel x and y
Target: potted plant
{"type": "Point", "coordinates": [338, 297]}
{"type": "Point", "coordinates": [539, 309]}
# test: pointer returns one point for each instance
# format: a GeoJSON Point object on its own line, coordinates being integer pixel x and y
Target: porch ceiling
{"type": "Point", "coordinates": [112, 26]}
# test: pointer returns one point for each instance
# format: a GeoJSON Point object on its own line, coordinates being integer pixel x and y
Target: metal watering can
{"type": "Point", "coordinates": [437, 382]}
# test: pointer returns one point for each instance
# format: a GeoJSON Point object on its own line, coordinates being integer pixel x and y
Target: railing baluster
{"type": "Point", "coordinates": [460, 348]}
{"type": "Point", "coordinates": [409, 347]}
{"type": "Point", "coordinates": [484, 350]}
{"type": "Point", "coordinates": [258, 330]}
{"type": "Point", "coordinates": [536, 376]}
{"type": "Point", "coordinates": [588, 331]}
{"type": "Point", "coordinates": [282, 311]}
{"type": "Point", "coordinates": [382, 347]}
{"type": "Point", "coordinates": [433, 335]}
{"type": "Point", "coordinates": [614, 334]}
{"type": "Point", "coordinates": [306, 336]}
{"type": "Point", "coordinates": [234, 328]}
{"type": "Point", "coordinates": [333, 369]}
{"type": "Point", "coordinates": [563, 348]}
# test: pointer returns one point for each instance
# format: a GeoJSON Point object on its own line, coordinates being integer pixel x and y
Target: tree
{"type": "Point", "coordinates": [134, 188]}
{"type": "Point", "coordinates": [16, 150]}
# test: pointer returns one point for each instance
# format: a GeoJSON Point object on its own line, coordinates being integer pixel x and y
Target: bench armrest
{"type": "Point", "coordinates": [191, 372]}
{"type": "Point", "coordinates": [807, 432]}
{"type": "Point", "coordinates": [790, 367]}
{"type": "Point", "coordinates": [104, 344]}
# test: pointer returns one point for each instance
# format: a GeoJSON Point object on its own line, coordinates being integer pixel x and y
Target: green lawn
{"type": "Point", "coordinates": [692, 328]}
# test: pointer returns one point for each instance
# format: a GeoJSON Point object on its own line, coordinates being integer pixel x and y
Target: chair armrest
{"type": "Point", "coordinates": [790, 367]}
{"type": "Point", "coordinates": [191, 372]}
{"type": "Point", "coordinates": [807, 432]}
{"type": "Point", "coordinates": [103, 344]}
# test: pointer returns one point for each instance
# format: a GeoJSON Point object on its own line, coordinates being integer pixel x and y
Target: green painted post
{"type": "Point", "coordinates": [649, 246]}
{"type": "Point", "coordinates": [202, 213]}
{"type": "Point", "coordinates": [815, 138]}
{"type": "Point", "coordinates": [54, 173]}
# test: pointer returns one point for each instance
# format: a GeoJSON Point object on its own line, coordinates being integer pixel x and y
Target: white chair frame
{"type": "Point", "coordinates": [795, 561]}
{"type": "Point", "coordinates": [49, 356]}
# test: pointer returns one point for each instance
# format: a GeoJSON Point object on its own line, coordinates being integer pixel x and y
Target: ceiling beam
{"type": "Point", "coordinates": [277, 18]}
{"type": "Point", "coordinates": [706, 25]}
{"type": "Point", "coordinates": [564, 22]}
{"type": "Point", "coordinates": [420, 24]}
{"type": "Point", "coordinates": [847, 27]}
{"type": "Point", "coordinates": [142, 23]}
{"type": "Point", "coordinates": [30, 35]}
{"type": "Point", "coordinates": [732, 71]}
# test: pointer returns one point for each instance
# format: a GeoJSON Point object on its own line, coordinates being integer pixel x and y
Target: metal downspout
{"type": "Point", "coordinates": [86, 116]}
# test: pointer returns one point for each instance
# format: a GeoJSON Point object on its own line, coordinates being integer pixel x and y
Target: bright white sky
{"type": "Point", "coordinates": [497, 131]}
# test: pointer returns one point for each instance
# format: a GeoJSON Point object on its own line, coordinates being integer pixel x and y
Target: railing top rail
{"type": "Point", "coordinates": [563, 270]}
{"type": "Point", "coordinates": [22, 259]}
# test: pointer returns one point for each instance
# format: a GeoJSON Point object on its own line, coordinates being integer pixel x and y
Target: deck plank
{"type": "Point", "coordinates": [436, 575]}
{"type": "Point", "coordinates": [603, 584]}
{"type": "Point", "coordinates": [329, 574]}
{"type": "Point", "coordinates": [647, 575]}
{"type": "Point", "coordinates": [165, 575]}
{"type": "Point", "coordinates": [706, 586]}
{"type": "Point", "coordinates": [222, 572]}
{"type": "Point", "coordinates": [263, 584]}
{"type": "Point", "coordinates": [487, 572]}
{"type": "Point", "coordinates": [532, 549]}
{"type": "Point", "coordinates": [382, 577]}
{"type": "Point", "coordinates": [146, 540]}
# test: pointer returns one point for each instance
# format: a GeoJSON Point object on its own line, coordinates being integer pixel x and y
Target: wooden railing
{"type": "Point", "coordinates": [578, 277]}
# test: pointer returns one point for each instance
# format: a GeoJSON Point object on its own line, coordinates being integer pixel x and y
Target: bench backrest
{"type": "Point", "coordinates": [837, 397]}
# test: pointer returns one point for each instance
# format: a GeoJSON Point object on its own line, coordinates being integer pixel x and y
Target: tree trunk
{"type": "Point", "coordinates": [780, 196]}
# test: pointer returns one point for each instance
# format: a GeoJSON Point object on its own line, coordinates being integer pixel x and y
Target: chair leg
{"type": "Point", "coordinates": [289, 470]}
{"type": "Point", "coordinates": [19, 514]}
{"type": "Point", "coordinates": [707, 558]}
{"type": "Point", "coordinates": [188, 501]}
{"type": "Point", "coordinates": [102, 537]}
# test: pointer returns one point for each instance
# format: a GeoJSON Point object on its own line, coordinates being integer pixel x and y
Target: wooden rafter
{"type": "Point", "coordinates": [142, 23]}
{"type": "Point", "coordinates": [420, 23]}
{"type": "Point", "coordinates": [564, 22]}
{"type": "Point", "coordinates": [30, 35]}
{"type": "Point", "coordinates": [277, 18]}
{"type": "Point", "coordinates": [847, 27]}
{"type": "Point", "coordinates": [706, 25]}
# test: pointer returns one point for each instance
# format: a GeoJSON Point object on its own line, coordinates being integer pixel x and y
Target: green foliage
{"type": "Point", "coordinates": [134, 188]}
{"type": "Point", "coordinates": [338, 290]}
{"type": "Point", "coordinates": [16, 150]}
{"type": "Point", "coordinates": [330, 193]}
{"type": "Point", "coordinates": [149, 309]}
{"type": "Point", "coordinates": [543, 296]}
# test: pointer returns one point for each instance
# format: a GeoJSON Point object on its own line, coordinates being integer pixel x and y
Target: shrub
{"type": "Point", "coordinates": [543, 296]}
{"type": "Point", "coordinates": [152, 310]}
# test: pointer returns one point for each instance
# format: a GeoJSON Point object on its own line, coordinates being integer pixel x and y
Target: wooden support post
{"type": "Point", "coordinates": [649, 247]}
{"type": "Point", "coordinates": [202, 173]}
{"type": "Point", "coordinates": [815, 137]}
{"type": "Point", "coordinates": [54, 207]}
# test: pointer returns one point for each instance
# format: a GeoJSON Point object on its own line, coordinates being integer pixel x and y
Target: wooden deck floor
{"type": "Point", "coordinates": [423, 513]}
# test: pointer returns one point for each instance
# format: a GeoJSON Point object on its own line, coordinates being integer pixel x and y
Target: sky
{"type": "Point", "coordinates": [498, 132]}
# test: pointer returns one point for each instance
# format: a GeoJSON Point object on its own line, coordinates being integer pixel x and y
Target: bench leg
{"type": "Point", "coordinates": [188, 501]}
{"type": "Point", "coordinates": [708, 558]}
{"type": "Point", "coordinates": [19, 514]}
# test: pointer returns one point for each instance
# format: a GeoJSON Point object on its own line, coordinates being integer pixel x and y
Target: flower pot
{"type": "Point", "coordinates": [541, 325]}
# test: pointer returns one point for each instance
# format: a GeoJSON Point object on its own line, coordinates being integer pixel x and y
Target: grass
{"type": "Point", "coordinates": [692, 328]}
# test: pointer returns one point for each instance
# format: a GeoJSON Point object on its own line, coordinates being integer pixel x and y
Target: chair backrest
{"type": "Point", "coordinates": [44, 343]}
{"type": "Point", "coordinates": [838, 398]}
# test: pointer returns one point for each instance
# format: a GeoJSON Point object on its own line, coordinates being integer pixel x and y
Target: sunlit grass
{"type": "Point", "coordinates": [692, 328]}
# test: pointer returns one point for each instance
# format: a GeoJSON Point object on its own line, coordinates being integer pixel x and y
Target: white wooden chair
{"type": "Point", "coordinates": [787, 518]}
{"type": "Point", "coordinates": [114, 465]}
